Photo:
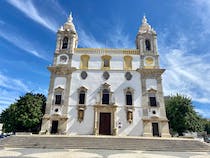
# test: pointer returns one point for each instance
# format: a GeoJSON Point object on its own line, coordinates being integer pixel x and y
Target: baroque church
{"type": "Point", "coordinates": [105, 91]}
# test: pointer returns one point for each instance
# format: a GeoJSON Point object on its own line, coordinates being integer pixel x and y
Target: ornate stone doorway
{"type": "Point", "coordinates": [105, 123]}
{"type": "Point", "coordinates": [104, 120]}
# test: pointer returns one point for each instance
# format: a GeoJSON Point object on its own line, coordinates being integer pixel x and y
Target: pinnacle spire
{"type": "Point", "coordinates": [144, 20]}
{"type": "Point", "coordinates": [70, 18]}
{"type": "Point", "coordinates": [69, 25]}
{"type": "Point", "coordinates": [145, 27]}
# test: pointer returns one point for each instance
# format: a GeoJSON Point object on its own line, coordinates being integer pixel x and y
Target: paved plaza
{"type": "Point", "coordinates": [93, 153]}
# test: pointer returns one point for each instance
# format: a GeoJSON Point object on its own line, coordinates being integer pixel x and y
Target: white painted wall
{"type": "Point", "coordinates": [151, 83]}
{"type": "Point", "coordinates": [60, 82]}
{"type": "Point", "coordinates": [93, 83]}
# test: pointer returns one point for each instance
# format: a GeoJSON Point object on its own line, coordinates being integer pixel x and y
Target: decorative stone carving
{"type": "Point", "coordinates": [81, 112]}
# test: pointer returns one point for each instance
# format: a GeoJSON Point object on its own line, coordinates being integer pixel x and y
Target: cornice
{"type": "Point", "coordinates": [61, 69]}
{"type": "Point", "coordinates": [149, 119]}
{"type": "Point", "coordinates": [107, 51]}
{"type": "Point", "coordinates": [151, 71]}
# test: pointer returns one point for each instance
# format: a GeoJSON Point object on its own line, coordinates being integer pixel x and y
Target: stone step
{"type": "Point", "coordinates": [98, 142]}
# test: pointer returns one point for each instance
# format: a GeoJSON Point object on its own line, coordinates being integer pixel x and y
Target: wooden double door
{"type": "Point", "coordinates": [105, 123]}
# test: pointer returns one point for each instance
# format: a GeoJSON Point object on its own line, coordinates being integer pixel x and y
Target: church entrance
{"type": "Point", "coordinates": [54, 128]}
{"type": "Point", "coordinates": [155, 129]}
{"type": "Point", "coordinates": [105, 124]}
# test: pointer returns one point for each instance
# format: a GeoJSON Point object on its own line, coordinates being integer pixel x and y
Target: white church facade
{"type": "Point", "coordinates": [100, 91]}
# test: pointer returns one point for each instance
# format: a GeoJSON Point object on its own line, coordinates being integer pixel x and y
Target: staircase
{"type": "Point", "coordinates": [104, 142]}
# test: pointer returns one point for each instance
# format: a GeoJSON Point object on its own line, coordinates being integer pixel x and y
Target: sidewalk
{"type": "Point", "coordinates": [93, 153]}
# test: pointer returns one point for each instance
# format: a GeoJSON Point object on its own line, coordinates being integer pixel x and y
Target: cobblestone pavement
{"type": "Point", "coordinates": [93, 153]}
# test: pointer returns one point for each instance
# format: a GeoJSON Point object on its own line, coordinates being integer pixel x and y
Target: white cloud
{"type": "Point", "coordinates": [29, 9]}
{"type": "Point", "coordinates": [10, 89]}
{"type": "Point", "coordinates": [203, 112]}
{"type": "Point", "coordinates": [116, 38]}
{"type": "Point", "coordinates": [88, 40]}
{"type": "Point", "coordinates": [201, 8]}
{"type": "Point", "coordinates": [186, 72]}
{"type": "Point", "coordinates": [21, 43]}
{"type": "Point", "coordinates": [12, 84]}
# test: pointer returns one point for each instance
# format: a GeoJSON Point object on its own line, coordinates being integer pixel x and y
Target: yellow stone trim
{"type": "Point", "coordinates": [105, 58]}
{"type": "Point", "coordinates": [149, 67]}
{"type": "Point", "coordinates": [107, 51]}
{"type": "Point", "coordinates": [84, 59]}
{"type": "Point", "coordinates": [128, 62]}
{"type": "Point", "coordinates": [151, 71]}
{"type": "Point", "coordinates": [149, 61]}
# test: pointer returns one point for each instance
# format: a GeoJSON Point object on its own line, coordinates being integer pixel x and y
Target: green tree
{"type": "Point", "coordinates": [182, 116]}
{"type": "Point", "coordinates": [25, 114]}
{"type": "Point", "coordinates": [207, 126]}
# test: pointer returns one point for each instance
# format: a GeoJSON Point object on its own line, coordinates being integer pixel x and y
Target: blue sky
{"type": "Point", "coordinates": [28, 34]}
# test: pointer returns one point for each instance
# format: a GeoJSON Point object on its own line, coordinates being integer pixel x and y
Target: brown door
{"type": "Point", "coordinates": [155, 129]}
{"type": "Point", "coordinates": [54, 128]}
{"type": "Point", "coordinates": [105, 124]}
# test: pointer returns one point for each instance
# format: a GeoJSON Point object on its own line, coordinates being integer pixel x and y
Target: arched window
{"type": "Point", "coordinates": [127, 62]}
{"type": "Point", "coordinates": [105, 96]}
{"type": "Point", "coordinates": [84, 61]}
{"type": "Point", "coordinates": [65, 42]}
{"type": "Point", "coordinates": [129, 98]}
{"type": "Point", "coordinates": [82, 97]}
{"type": "Point", "coordinates": [148, 45]}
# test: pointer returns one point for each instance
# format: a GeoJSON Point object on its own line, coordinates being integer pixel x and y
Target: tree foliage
{"type": "Point", "coordinates": [182, 116]}
{"type": "Point", "coordinates": [207, 126]}
{"type": "Point", "coordinates": [25, 114]}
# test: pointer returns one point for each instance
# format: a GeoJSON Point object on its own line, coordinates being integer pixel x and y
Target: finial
{"type": "Point", "coordinates": [144, 20]}
{"type": "Point", "coordinates": [70, 18]}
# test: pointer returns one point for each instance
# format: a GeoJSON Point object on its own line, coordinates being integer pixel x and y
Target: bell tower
{"type": "Point", "coordinates": [67, 38]}
{"type": "Point", "coordinates": [154, 114]}
{"type": "Point", "coordinates": [146, 42]}
{"type": "Point", "coordinates": [56, 113]}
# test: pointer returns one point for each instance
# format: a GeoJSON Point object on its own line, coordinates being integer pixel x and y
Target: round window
{"type": "Point", "coordinates": [106, 75]}
{"type": "Point", "coordinates": [56, 110]}
{"type": "Point", "coordinates": [128, 76]}
{"type": "Point", "coordinates": [83, 75]}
